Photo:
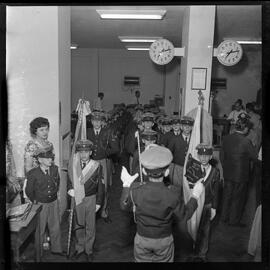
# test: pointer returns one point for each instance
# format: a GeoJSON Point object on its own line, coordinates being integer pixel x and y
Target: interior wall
{"type": "Point", "coordinates": [32, 75]}
{"type": "Point", "coordinates": [113, 66]}
{"type": "Point", "coordinates": [243, 80]}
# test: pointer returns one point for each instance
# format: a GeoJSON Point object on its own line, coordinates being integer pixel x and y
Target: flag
{"type": "Point", "coordinates": [193, 223]}
{"type": "Point", "coordinates": [74, 168]}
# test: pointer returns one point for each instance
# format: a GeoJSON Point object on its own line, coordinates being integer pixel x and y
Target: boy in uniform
{"type": "Point", "coordinates": [178, 144]}
{"type": "Point", "coordinates": [42, 188]}
{"type": "Point", "coordinates": [211, 198]}
{"type": "Point", "coordinates": [154, 206]}
{"type": "Point", "coordinates": [92, 190]}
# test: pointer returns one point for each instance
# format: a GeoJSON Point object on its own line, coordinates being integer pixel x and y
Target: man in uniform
{"type": "Point", "coordinates": [42, 188]}
{"type": "Point", "coordinates": [104, 146]}
{"type": "Point", "coordinates": [165, 135]}
{"type": "Point", "coordinates": [236, 153]}
{"type": "Point", "coordinates": [91, 172]}
{"type": "Point", "coordinates": [147, 137]}
{"type": "Point", "coordinates": [178, 144]}
{"type": "Point", "coordinates": [211, 198]}
{"type": "Point", "coordinates": [155, 205]}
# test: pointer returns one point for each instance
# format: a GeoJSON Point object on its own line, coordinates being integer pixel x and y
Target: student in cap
{"type": "Point", "coordinates": [104, 145]}
{"type": "Point", "coordinates": [178, 144]}
{"type": "Point", "coordinates": [155, 205]}
{"type": "Point", "coordinates": [90, 198]}
{"type": "Point", "coordinates": [166, 134]}
{"type": "Point", "coordinates": [211, 198]}
{"type": "Point", "coordinates": [148, 120]}
{"type": "Point", "coordinates": [147, 137]}
{"type": "Point", "coordinates": [236, 153]}
{"type": "Point", "coordinates": [42, 188]}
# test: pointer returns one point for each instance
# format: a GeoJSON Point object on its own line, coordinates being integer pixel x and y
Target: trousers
{"type": "Point", "coordinates": [153, 250]}
{"type": "Point", "coordinates": [234, 199]}
{"type": "Point", "coordinates": [50, 215]}
{"type": "Point", "coordinates": [86, 216]}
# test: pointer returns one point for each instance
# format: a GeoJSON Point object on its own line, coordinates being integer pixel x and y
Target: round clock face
{"type": "Point", "coordinates": [229, 52]}
{"type": "Point", "coordinates": [161, 51]}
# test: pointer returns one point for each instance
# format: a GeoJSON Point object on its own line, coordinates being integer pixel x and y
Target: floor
{"type": "Point", "coordinates": [114, 240]}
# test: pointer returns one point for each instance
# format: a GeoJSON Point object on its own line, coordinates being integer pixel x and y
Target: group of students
{"type": "Point", "coordinates": [151, 148]}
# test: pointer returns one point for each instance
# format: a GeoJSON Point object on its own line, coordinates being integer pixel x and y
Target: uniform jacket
{"type": "Point", "coordinates": [235, 156]}
{"type": "Point", "coordinates": [105, 144]}
{"type": "Point", "coordinates": [164, 139]}
{"type": "Point", "coordinates": [156, 206]}
{"type": "Point", "coordinates": [93, 185]}
{"type": "Point", "coordinates": [179, 148]}
{"type": "Point", "coordinates": [41, 187]}
{"type": "Point", "coordinates": [212, 185]}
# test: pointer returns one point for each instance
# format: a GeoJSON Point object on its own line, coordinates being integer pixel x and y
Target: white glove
{"type": "Point", "coordinates": [198, 189]}
{"type": "Point", "coordinates": [71, 192]}
{"type": "Point", "coordinates": [213, 213]}
{"type": "Point", "coordinates": [126, 178]}
{"type": "Point", "coordinates": [97, 207]}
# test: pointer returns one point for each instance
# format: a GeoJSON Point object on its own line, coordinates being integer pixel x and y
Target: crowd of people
{"type": "Point", "coordinates": [151, 148]}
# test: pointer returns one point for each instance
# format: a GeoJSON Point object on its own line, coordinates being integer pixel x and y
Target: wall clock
{"type": "Point", "coordinates": [229, 52]}
{"type": "Point", "coordinates": [161, 51]}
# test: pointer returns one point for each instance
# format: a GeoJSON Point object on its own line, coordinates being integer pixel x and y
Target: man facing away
{"type": "Point", "coordinates": [155, 205]}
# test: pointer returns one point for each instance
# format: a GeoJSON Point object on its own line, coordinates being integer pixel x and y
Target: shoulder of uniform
{"type": "Point", "coordinates": [136, 185]}
{"type": "Point", "coordinates": [33, 171]}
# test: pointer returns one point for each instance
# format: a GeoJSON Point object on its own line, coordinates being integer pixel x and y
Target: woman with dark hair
{"type": "Point", "coordinates": [39, 130]}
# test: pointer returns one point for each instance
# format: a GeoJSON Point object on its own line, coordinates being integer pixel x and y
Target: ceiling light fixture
{"type": "Point", "coordinates": [249, 42]}
{"type": "Point", "coordinates": [132, 14]}
{"type": "Point", "coordinates": [138, 39]}
{"type": "Point", "coordinates": [73, 46]}
{"type": "Point", "coordinates": [137, 48]}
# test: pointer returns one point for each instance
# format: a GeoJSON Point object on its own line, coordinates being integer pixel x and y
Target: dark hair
{"type": "Point", "coordinates": [100, 94]}
{"type": "Point", "coordinates": [156, 173]}
{"type": "Point", "coordinates": [239, 101]}
{"type": "Point", "coordinates": [37, 123]}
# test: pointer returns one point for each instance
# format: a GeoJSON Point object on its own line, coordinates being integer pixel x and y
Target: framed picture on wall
{"type": "Point", "coordinates": [198, 78]}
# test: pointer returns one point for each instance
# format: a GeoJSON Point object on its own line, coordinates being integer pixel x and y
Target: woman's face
{"type": "Point", "coordinates": [42, 133]}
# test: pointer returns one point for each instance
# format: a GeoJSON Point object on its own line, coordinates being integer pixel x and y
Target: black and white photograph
{"type": "Point", "coordinates": [134, 133]}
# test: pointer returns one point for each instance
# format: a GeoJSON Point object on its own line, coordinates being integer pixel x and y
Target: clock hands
{"type": "Point", "coordinates": [231, 51]}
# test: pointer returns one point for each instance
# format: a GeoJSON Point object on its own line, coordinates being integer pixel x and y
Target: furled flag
{"type": "Point", "coordinates": [74, 168]}
{"type": "Point", "coordinates": [198, 135]}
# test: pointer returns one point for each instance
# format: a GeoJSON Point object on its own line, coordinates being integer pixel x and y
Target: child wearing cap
{"type": "Point", "coordinates": [211, 198]}
{"type": "Point", "coordinates": [42, 188]}
{"type": "Point", "coordinates": [178, 144]}
{"type": "Point", "coordinates": [147, 137]}
{"type": "Point", "coordinates": [154, 206]}
{"type": "Point", "coordinates": [85, 184]}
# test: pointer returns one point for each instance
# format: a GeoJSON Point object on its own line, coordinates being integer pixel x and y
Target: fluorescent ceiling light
{"type": "Point", "coordinates": [137, 49]}
{"type": "Point", "coordinates": [249, 42]}
{"type": "Point", "coordinates": [138, 39]}
{"type": "Point", "coordinates": [132, 14]}
{"type": "Point", "coordinates": [73, 46]}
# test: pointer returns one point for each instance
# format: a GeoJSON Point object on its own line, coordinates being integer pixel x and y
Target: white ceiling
{"type": "Point", "coordinates": [89, 31]}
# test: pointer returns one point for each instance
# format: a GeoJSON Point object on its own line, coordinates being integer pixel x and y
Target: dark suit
{"type": "Point", "coordinates": [179, 148]}
{"type": "Point", "coordinates": [105, 145]}
{"type": "Point", "coordinates": [235, 156]}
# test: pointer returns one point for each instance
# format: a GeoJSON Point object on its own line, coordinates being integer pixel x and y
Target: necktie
{"type": "Point", "coordinates": [83, 164]}
{"type": "Point", "coordinates": [47, 172]}
{"type": "Point", "coordinates": [96, 132]}
{"type": "Point", "coordinates": [186, 139]}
